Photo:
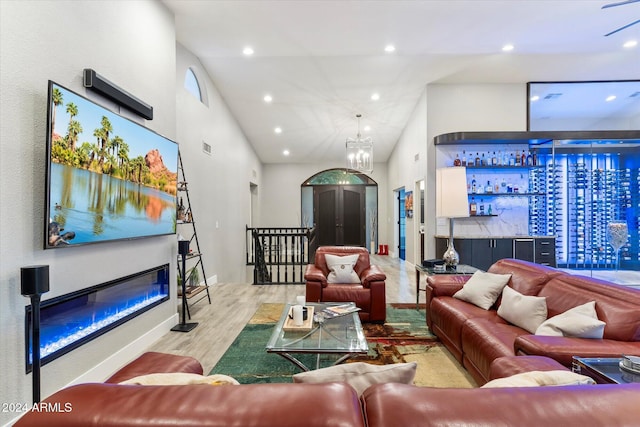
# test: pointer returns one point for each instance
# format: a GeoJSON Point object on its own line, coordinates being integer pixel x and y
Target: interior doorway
{"type": "Point", "coordinates": [340, 215]}
{"type": "Point", "coordinates": [342, 206]}
{"type": "Point", "coordinates": [253, 204]}
{"type": "Point", "coordinates": [402, 224]}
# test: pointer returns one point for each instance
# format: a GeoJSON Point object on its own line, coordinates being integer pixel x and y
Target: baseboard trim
{"type": "Point", "coordinates": [107, 367]}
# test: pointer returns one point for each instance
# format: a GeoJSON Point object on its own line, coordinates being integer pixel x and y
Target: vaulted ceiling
{"type": "Point", "coordinates": [321, 61]}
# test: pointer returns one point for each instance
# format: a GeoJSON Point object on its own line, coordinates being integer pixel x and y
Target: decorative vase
{"type": "Point", "coordinates": [617, 235]}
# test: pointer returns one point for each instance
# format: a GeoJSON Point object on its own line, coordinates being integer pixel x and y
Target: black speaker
{"type": "Point", "coordinates": [95, 81]}
{"type": "Point", "coordinates": [183, 247]}
{"type": "Point", "coordinates": [34, 280]}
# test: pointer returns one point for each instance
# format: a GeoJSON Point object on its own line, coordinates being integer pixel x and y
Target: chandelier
{"type": "Point", "coordinates": [360, 152]}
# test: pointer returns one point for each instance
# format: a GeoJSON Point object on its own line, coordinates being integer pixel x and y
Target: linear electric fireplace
{"type": "Point", "coordinates": [71, 320]}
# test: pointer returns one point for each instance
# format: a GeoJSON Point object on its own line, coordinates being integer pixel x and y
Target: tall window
{"type": "Point", "coordinates": [192, 85]}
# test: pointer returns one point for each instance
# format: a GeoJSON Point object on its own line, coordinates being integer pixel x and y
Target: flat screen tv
{"type": "Point", "coordinates": [108, 178]}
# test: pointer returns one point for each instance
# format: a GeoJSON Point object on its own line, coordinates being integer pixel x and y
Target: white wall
{"type": "Point", "coordinates": [404, 171]}
{"type": "Point", "coordinates": [218, 183]}
{"type": "Point", "coordinates": [131, 44]}
{"type": "Point", "coordinates": [281, 193]}
{"type": "Point", "coordinates": [468, 107]}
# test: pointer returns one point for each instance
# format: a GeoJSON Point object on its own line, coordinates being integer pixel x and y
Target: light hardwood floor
{"type": "Point", "coordinates": [233, 304]}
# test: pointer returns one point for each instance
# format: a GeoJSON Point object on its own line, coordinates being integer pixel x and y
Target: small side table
{"type": "Point", "coordinates": [461, 269]}
{"type": "Point", "coordinates": [605, 370]}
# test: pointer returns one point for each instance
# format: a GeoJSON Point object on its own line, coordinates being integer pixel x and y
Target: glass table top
{"type": "Point", "coordinates": [459, 269]}
{"type": "Point", "coordinates": [607, 367]}
{"type": "Point", "coordinates": [343, 334]}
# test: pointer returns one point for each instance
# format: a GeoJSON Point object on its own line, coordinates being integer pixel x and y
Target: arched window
{"type": "Point", "coordinates": [192, 85]}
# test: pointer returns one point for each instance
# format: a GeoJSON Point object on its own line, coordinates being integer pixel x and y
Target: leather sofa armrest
{"type": "Point", "coordinates": [562, 349]}
{"type": "Point", "coordinates": [314, 274]}
{"type": "Point", "coordinates": [394, 404]}
{"type": "Point", "coordinates": [446, 284]}
{"type": "Point", "coordinates": [200, 405]}
{"type": "Point", "coordinates": [153, 362]}
{"type": "Point", "coordinates": [373, 273]}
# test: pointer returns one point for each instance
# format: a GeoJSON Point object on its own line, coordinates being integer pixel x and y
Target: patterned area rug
{"type": "Point", "coordinates": [404, 337]}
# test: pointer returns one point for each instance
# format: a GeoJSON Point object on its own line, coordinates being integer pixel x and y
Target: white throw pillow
{"type": "Point", "coordinates": [483, 289]}
{"type": "Point", "coordinates": [360, 375]}
{"type": "Point", "coordinates": [527, 312]}
{"type": "Point", "coordinates": [181, 378]}
{"type": "Point", "coordinates": [580, 322]}
{"type": "Point", "coordinates": [540, 378]}
{"type": "Point", "coordinates": [341, 268]}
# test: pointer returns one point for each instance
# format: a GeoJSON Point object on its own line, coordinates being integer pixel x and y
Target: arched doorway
{"type": "Point", "coordinates": [342, 205]}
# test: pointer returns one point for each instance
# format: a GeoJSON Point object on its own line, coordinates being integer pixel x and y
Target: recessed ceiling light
{"type": "Point", "coordinates": [375, 97]}
{"type": "Point", "coordinates": [389, 48]}
{"type": "Point", "coordinates": [631, 43]}
{"type": "Point", "coordinates": [610, 98]}
{"type": "Point", "coordinates": [278, 130]}
{"type": "Point", "coordinates": [267, 98]}
{"type": "Point", "coordinates": [534, 98]}
{"type": "Point", "coordinates": [248, 51]}
{"type": "Point", "coordinates": [285, 152]}
{"type": "Point", "coordinates": [507, 48]}
{"type": "Point", "coordinates": [367, 128]}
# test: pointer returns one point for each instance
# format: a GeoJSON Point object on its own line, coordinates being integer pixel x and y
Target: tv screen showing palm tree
{"type": "Point", "coordinates": [108, 178]}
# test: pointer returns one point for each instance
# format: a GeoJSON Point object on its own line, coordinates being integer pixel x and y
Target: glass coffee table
{"type": "Point", "coordinates": [604, 370]}
{"type": "Point", "coordinates": [342, 335]}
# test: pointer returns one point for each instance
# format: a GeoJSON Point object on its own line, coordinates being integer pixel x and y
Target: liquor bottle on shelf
{"type": "Point", "coordinates": [529, 159]}
{"type": "Point", "coordinates": [523, 159]}
{"type": "Point", "coordinates": [488, 188]}
{"type": "Point", "coordinates": [489, 211]}
{"type": "Point", "coordinates": [464, 158]}
{"type": "Point", "coordinates": [534, 156]}
{"type": "Point", "coordinates": [477, 163]}
{"type": "Point", "coordinates": [518, 158]}
{"type": "Point", "coordinates": [496, 187]}
{"type": "Point", "coordinates": [494, 159]}
{"type": "Point", "coordinates": [457, 161]}
{"type": "Point", "coordinates": [483, 161]}
{"type": "Point", "coordinates": [474, 188]}
{"type": "Point", "coordinates": [473, 207]}
{"type": "Point", "coordinates": [512, 160]}
{"type": "Point", "coordinates": [503, 185]}
{"type": "Point", "coordinates": [481, 207]}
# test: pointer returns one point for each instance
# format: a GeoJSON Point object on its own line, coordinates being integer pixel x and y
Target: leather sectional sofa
{"type": "Point", "coordinates": [477, 337]}
{"type": "Point", "coordinates": [324, 405]}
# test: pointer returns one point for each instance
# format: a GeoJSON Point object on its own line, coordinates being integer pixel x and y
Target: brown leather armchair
{"type": "Point", "coordinates": [369, 294]}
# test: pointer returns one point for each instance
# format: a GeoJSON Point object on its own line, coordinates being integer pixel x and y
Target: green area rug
{"type": "Point", "coordinates": [404, 337]}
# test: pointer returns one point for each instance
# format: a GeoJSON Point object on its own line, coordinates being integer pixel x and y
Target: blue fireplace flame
{"type": "Point", "coordinates": [71, 320]}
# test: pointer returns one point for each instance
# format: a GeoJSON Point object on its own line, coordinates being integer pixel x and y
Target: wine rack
{"type": "Point", "coordinates": [585, 193]}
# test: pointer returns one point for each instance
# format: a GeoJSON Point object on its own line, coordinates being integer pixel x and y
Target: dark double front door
{"type": "Point", "coordinates": [340, 215]}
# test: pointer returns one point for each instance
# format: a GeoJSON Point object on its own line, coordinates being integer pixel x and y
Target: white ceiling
{"type": "Point", "coordinates": [322, 60]}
